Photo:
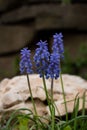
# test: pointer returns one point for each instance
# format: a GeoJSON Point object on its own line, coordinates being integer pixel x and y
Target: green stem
{"type": "Point", "coordinates": [83, 105]}
{"type": "Point", "coordinates": [76, 113]}
{"type": "Point", "coordinates": [47, 97]}
{"type": "Point", "coordinates": [53, 118]}
{"type": "Point", "coordinates": [31, 95]}
{"type": "Point", "coordinates": [52, 101]}
{"type": "Point", "coordinates": [64, 96]}
{"type": "Point", "coordinates": [35, 112]}
{"type": "Point", "coordinates": [53, 108]}
{"type": "Point", "coordinates": [52, 90]}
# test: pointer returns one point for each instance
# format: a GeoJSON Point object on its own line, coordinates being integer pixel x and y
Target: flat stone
{"type": "Point", "coordinates": [70, 102]}
{"type": "Point", "coordinates": [14, 93]}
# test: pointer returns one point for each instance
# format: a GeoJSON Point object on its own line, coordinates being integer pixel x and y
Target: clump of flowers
{"type": "Point", "coordinates": [47, 66]}
{"type": "Point", "coordinates": [46, 63]}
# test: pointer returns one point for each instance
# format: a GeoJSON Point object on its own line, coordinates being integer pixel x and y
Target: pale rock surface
{"type": "Point", "coordinates": [70, 104]}
{"type": "Point", "coordinates": [14, 93]}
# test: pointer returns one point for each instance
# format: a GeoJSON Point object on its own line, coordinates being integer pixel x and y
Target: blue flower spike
{"type": "Point", "coordinates": [54, 66]}
{"type": "Point", "coordinates": [41, 58]}
{"type": "Point", "coordinates": [53, 70]}
{"type": "Point", "coordinates": [58, 44]}
{"type": "Point", "coordinates": [25, 62]}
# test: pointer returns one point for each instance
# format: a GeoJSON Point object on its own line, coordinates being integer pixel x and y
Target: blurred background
{"type": "Point", "coordinates": [24, 22]}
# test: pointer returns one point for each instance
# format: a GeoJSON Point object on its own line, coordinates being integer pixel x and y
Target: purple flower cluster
{"type": "Point", "coordinates": [41, 58]}
{"type": "Point", "coordinates": [58, 44]}
{"type": "Point", "coordinates": [46, 64]}
{"type": "Point", "coordinates": [25, 63]}
{"type": "Point", "coordinates": [54, 66]}
{"type": "Point", "coordinates": [53, 70]}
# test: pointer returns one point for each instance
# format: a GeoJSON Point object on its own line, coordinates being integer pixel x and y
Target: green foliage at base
{"type": "Point", "coordinates": [20, 121]}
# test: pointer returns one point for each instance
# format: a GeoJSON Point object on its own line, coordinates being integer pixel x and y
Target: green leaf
{"type": "Point", "coordinates": [67, 128]}
{"type": "Point", "coordinates": [23, 124]}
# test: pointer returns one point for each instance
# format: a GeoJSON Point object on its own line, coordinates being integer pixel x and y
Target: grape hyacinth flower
{"type": "Point", "coordinates": [41, 58]}
{"type": "Point", "coordinates": [58, 44]}
{"type": "Point", "coordinates": [26, 66]}
{"type": "Point", "coordinates": [53, 70]}
{"type": "Point", "coordinates": [54, 66]}
{"type": "Point", "coordinates": [25, 63]}
{"type": "Point", "coordinates": [59, 49]}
